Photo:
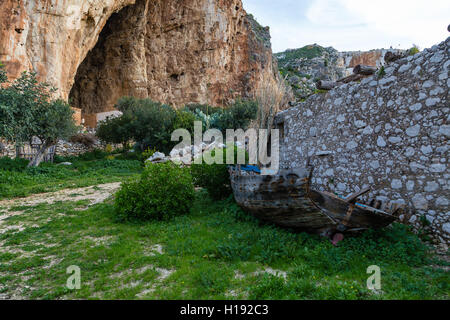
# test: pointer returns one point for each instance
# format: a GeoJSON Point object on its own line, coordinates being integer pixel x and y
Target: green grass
{"type": "Point", "coordinates": [215, 252]}
{"type": "Point", "coordinates": [18, 181]}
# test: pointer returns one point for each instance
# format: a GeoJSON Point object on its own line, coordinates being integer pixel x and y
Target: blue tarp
{"type": "Point", "coordinates": [251, 169]}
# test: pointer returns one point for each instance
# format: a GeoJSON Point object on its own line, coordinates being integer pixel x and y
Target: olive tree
{"type": "Point", "coordinates": [27, 110]}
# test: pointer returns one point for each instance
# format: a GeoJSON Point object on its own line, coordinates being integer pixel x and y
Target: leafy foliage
{"type": "Point", "coordinates": [115, 130]}
{"type": "Point", "coordinates": [144, 121]}
{"type": "Point", "coordinates": [381, 72]}
{"type": "Point", "coordinates": [147, 154]}
{"type": "Point", "coordinates": [28, 110]}
{"type": "Point", "coordinates": [414, 50]}
{"type": "Point", "coordinates": [150, 124]}
{"type": "Point", "coordinates": [214, 177]}
{"type": "Point", "coordinates": [8, 164]}
{"type": "Point", "coordinates": [163, 191]}
{"type": "Point", "coordinates": [204, 108]}
{"type": "Point", "coordinates": [3, 76]}
{"type": "Point", "coordinates": [238, 116]}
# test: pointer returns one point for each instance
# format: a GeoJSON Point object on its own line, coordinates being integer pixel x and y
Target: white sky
{"type": "Point", "coordinates": [353, 24]}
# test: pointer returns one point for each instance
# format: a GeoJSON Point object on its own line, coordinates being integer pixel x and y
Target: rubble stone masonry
{"type": "Point", "coordinates": [390, 132]}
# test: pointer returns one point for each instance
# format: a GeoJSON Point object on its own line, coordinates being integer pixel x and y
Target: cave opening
{"type": "Point", "coordinates": [115, 67]}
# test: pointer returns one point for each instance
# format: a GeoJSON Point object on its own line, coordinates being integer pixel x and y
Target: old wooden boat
{"type": "Point", "coordinates": [287, 200]}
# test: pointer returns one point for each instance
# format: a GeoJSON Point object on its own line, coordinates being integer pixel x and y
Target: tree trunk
{"type": "Point", "coordinates": [365, 70]}
{"type": "Point", "coordinates": [325, 85]}
{"type": "Point", "coordinates": [37, 159]}
{"type": "Point", "coordinates": [353, 77]}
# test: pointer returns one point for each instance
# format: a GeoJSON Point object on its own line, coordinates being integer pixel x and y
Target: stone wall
{"type": "Point", "coordinates": [390, 133]}
{"type": "Point", "coordinates": [63, 148]}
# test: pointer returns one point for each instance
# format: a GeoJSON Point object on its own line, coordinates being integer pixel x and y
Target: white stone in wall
{"type": "Point", "coordinates": [413, 131]}
{"type": "Point", "coordinates": [420, 202]}
{"type": "Point", "coordinates": [381, 142]}
{"type": "Point", "coordinates": [396, 184]}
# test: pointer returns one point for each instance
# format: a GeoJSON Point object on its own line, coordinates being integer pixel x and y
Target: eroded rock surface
{"type": "Point", "coordinates": [173, 51]}
{"type": "Point", "coordinates": [305, 66]}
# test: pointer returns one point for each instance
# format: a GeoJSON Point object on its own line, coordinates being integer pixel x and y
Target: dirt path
{"type": "Point", "coordinates": [95, 194]}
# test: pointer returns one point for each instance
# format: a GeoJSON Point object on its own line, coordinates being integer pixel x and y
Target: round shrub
{"type": "Point", "coordinates": [17, 164]}
{"type": "Point", "coordinates": [215, 177]}
{"type": "Point", "coordinates": [163, 191]}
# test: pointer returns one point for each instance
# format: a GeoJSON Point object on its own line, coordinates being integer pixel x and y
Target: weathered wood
{"type": "Point", "coordinates": [32, 151]}
{"type": "Point", "coordinates": [326, 85]}
{"type": "Point", "coordinates": [391, 56]}
{"type": "Point", "coordinates": [364, 69]}
{"type": "Point", "coordinates": [352, 216]}
{"type": "Point", "coordinates": [351, 78]}
{"type": "Point", "coordinates": [287, 201]}
{"type": "Point", "coordinates": [352, 198]}
{"type": "Point", "coordinates": [40, 154]}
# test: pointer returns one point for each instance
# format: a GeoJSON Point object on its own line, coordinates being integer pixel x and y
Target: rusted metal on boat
{"type": "Point", "coordinates": [287, 200]}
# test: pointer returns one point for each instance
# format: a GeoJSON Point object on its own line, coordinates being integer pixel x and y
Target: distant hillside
{"type": "Point", "coordinates": [308, 52]}
{"type": "Point", "coordinates": [305, 66]}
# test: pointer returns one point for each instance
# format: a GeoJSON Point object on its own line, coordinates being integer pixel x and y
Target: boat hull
{"type": "Point", "coordinates": [288, 201]}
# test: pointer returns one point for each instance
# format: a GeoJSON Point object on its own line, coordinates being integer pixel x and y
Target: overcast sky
{"type": "Point", "coordinates": [353, 24]}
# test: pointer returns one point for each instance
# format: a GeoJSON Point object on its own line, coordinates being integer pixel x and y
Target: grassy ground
{"type": "Point", "coordinates": [215, 252]}
{"type": "Point", "coordinates": [20, 181]}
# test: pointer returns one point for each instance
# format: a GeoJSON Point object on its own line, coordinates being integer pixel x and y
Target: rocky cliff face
{"type": "Point", "coordinates": [304, 66]}
{"type": "Point", "coordinates": [173, 51]}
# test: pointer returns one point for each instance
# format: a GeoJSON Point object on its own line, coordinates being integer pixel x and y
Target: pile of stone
{"type": "Point", "coordinates": [186, 154]}
{"type": "Point", "coordinates": [158, 157]}
{"type": "Point", "coordinates": [66, 148]}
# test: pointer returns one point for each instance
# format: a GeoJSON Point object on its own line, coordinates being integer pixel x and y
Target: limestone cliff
{"type": "Point", "coordinates": [173, 51]}
{"type": "Point", "coordinates": [304, 66]}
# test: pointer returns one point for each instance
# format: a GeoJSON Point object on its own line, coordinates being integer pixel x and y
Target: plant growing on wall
{"type": "Point", "coordinates": [3, 77]}
{"type": "Point", "coordinates": [27, 110]}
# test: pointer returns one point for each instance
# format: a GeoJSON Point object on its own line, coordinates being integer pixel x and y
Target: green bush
{"type": "Point", "coordinates": [206, 109]}
{"type": "Point", "coordinates": [115, 130]}
{"type": "Point", "coordinates": [381, 72]}
{"type": "Point", "coordinates": [185, 120]}
{"type": "Point", "coordinates": [147, 154]}
{"type": "Point", "coordinates": [3, 76]}
{"type": "Point", "coordinates": [238, 116]}
{"type": "Point", "coordinates": [214, 177]}
{"type": "Point", "coordinates": [414, 50]}
{"type": "Point", "coordinates": [163, 191]}
{"type": "Point", "coordinates": [148, 123]}
{"type": "Point", "coordinates": [17, 165]}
